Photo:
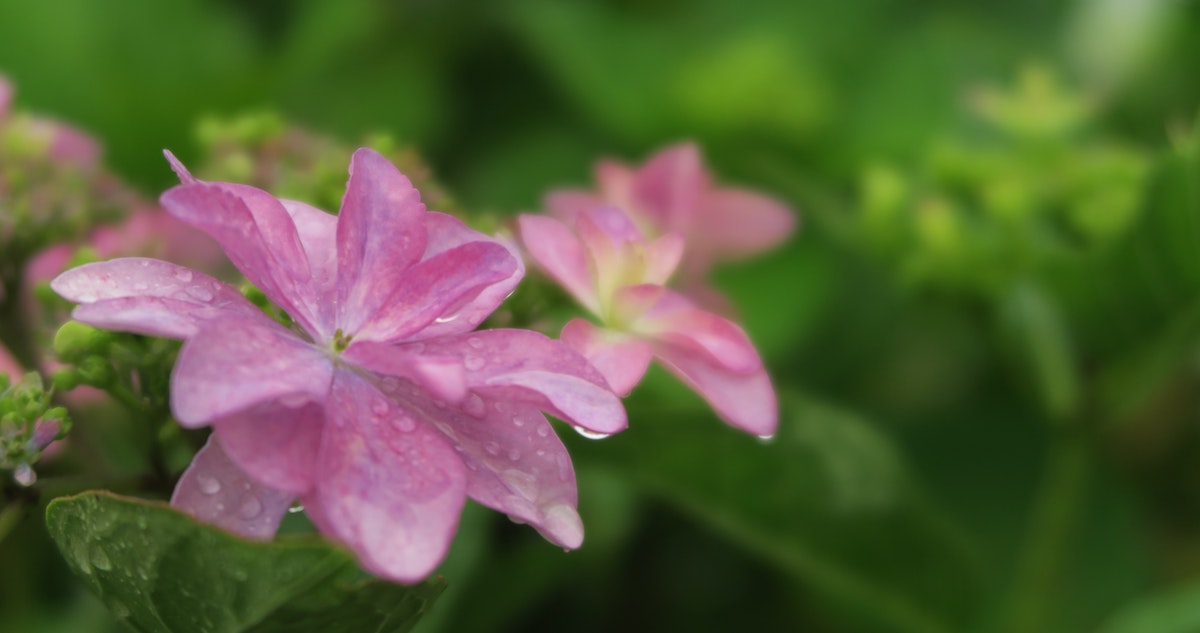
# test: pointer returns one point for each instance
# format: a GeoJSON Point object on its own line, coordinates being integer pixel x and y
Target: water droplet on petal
{"type": "Point", "coordinates": [405, 424]}
{"type": "Point", "coordinates": [145, 263]}
{"type": "Point", "coordinates": [543, 431]}
{"type": "Point", "coordinates": [296, 507]}
{"type": "Point", "coordinates": [100, 558]}
{"type": "Point", "coordinates": [767, 438]}
{"type": "Point", "coordinates": [379, 406]}
{"type": "Point", "coordinates": [294, 400]}
{"type": "Point", "coordinates": [200, 293]}
{"type": "Point", "coordinates": [564, 467]}
{"type": "Point", "coordinates": [492, 448]}
{"type": "Point", "coordinates": [475, 342]}
{"type": "Point", "coordinates": [514, 455]}
{"type": "Point", "coordinates": [474, 363]}
{"type": "Point", "coordinates": [183, 274]}
{"type": "Point", "coordinates": [141, 286]}
{"type": "Point", "coordinates": [445, 319]}
{"type": "Point", "coordinates": [591, 435]}
{"type": "Point", "coordinates": [208, 485]}
{"type": "Point", "coordinates": [251, 507]}
{"type": "Point", "coordinates": [474, 406]}
{"type": "Point", "coordinates": [389, 384]}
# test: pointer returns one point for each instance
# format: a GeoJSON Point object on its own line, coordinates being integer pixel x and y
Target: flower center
{"type": "Point", "coordinates": [341, 341]}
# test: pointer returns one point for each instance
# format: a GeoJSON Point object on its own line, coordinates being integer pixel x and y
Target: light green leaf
{"type": "Point", "coordinates": [160, 571]}
{"type": "Point", "coordinates": [1175, 611]}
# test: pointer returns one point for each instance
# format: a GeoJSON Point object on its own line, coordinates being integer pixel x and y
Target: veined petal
{"type": "Point", "coordinates": [620, 358]}
{"type": "Point", "coordinates": [275, 444]}
{"type": "Point", "coordinates": [149, 296]}
{"type": "Point", "coordinates": [527, 367]}
{"type": "Point", "coordinates": [234, 364]}
{"type": "Point", "coordinates": [447, 232]}
{"type": "Point", "coordinates": [440, 285]}
{"type": "Point", "coordinates": [515, 464]}
{"type": "Point", "coordinates": [561, 255]}
{"type": "Point", "coordinates": [744, 400]}
{"type": "Point", "coordinates": [380, 234]}
{"type": "Point", "coordinates": [259, 237]}
{"type": "Point", "coordinates": [214, 490]}
{"type": "Point", "coordinates": [441, 375]}
{"type": "Point", "coordinates": [389, 487]}
{"type": "Point", "coordinates": [673, 320]}
{"type": "Point", "coordinates": [317, 231]}
{"type": "Point", "coordinates": [668, 186]}
{"type": "Point", "coordinates": [732, 223]}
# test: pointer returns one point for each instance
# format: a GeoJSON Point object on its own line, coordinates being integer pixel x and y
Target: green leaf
{"type": "Point", "coordinates": [160, 571]}
{"type": "Point", "coordinates": [1045, 351]}
{"type": "Point", "coordinates": [828, 499]}
{"type": "Point", "coordinates": [1173, 611]}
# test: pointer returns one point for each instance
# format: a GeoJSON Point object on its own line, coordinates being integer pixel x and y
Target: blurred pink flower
{"type": "Point", "coordinates": [672, 192]}
{"type": "Point", "coordinates": [379, 408]}
{"type": "Point", "coordinates": [9, 365]}
{"type": "Point", "coordinates": [617, 273]}
{"type": "Point", "coordinates": [6, 96]}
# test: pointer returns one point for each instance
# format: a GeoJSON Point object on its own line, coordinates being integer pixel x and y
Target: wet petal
{"type": "Point", "coordinates": [622, 359]}
{"type": "Point", "coordinates": [745, 401]}
{"type": "Point", "coordinates": [389, 487]}
{"type": "Point", "coordinates": [516, 465]}
{"type": "Point", "coordinates": [673, 320]}
{"type": "Point", "coordinates": [259, 237]}
{"type": "Point", "coordinates": [440, 285]}
{"type": "Point", "coordinates": [214, 490]}
{"type": "Point", "coordinates": [438, 374]}
{"type": "Point", "coordinates": [447, 232]}
{"type": "Point", "coordinates": [234, 364]}
{"type": "Point", "coordinates": [524, 366]}
{"type": "Point", "coordinates": [149, 296]}
{"type": "Point", "coordinates": [561, 255]}
{"type": "Point", "coordinates": [380, 234]}
{"type": "Point", "coordinates": [277, 443]}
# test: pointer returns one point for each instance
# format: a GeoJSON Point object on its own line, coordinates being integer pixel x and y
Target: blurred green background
{"type": "Point", "coordinates": [986, 336]}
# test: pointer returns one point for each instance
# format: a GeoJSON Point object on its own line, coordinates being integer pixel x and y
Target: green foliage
{"type": "Point", "coordinates": [160, 571]}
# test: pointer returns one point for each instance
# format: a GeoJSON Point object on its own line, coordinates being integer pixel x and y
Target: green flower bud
{"type": "Point", "coordinates": [75, 341]}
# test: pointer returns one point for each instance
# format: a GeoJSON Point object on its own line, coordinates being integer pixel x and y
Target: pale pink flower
{"type": "Point", "coordinates": [10, 366]}
{"type": "Point", "coordinates": [606, 263]}
{"type": "Point", "coordinates": [379, 408]}
{"type": "Point", "coordinates": [6, 97]}
{"type": "Point", "coordinates": [673, 192]}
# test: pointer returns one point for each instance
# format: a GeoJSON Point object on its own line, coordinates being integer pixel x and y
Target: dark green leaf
{"type": "Point", "coordinates": [160, 571]}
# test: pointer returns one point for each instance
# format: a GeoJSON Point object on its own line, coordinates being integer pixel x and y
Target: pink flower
{"type": "Point", "coordinates": [379, 408]}
{"type": "Point", "coordinates": [617, 273]}
{"type": "Point", "coordinates": [673, 193]}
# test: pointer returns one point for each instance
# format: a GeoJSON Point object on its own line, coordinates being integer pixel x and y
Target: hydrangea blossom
{"type": "Point", "coordinates": [378, 408]}
{"type": "Point", "coordinates": [610, 267]}
{"type": "Point", "coordinates": [674, 193]}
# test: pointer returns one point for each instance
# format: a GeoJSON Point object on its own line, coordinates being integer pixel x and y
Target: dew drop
{"type": "Point", "coordinates": [475, 342]}
{"type": "Point", "coordinates": [445, 319]}
{"type": "Point", "coordinates": [474, 406]}
{"type": "Point", "coordinates": [405, 424]}
{"type": "Point", "coordinates": [119, 610]}
{"type": "Point", "coordinates": [474, 363]}
{"type": "Point", "coordinates": [379, 406]}
{"type": "Point", "coordinates": [295, 508]}
{"type": "Point", "coordinates": [591, 435]}
{"type": "Point", "coordinates": [208, 485]}
{"type": "Point", "coordinates": [141, 286]}
{"type": "Point", "coordinates": [767, 438]}
{"type": "Point", "coordinates": [564, 467]}
{"type": "Point", "coordinates": [145, 263]}
{"type": "Point", "coordinates": [514, 455]}
{"type": "Point", "coordinates": [492, 448]}
{"type": "Point", "coordinates": [100, 559]}
{"type": "Point", "coordinates": [200, 293]}
{"type": "Point", "coordinates": [294, 400]}
{"type": "Point", "coordinates": [389, 384]}
{"type": "Point", "coordinates": [251, 508]}
{"type": "Point", "coordinates": [183, 274]}
{"type": "Point", "coordinates": [543, 431]}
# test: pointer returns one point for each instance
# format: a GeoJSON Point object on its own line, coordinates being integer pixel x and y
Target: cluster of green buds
{"type": "Point", "coordinates": [29, 422]}
{"type": "Point", "coordinates": [261, 150]}
{"type": "Point", "coordinates": [1026, 183]}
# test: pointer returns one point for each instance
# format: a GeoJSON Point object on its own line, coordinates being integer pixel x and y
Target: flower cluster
{"type": "Point", "coordinates": [365, 391]}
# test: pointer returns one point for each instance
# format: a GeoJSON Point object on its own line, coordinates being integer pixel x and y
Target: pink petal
{"type": "Point", "coordinates": [447, 232]}
{"type": "Point", "coordinates": [8, 364]}
{"type": "Point", "coordinates": [622, 359]}
{"type": "Point", "coordinates": [560, 254]}
{"type": "Point", "coordinates": [388, 486]}
{"type": "Point", "coordinates": [565, 205]}
{"type": "Point", "coordinates": [259, 237]}
{"type": "Point", "coordinates": [442, 376]}
{"type": "Point", "coordinates": [181, 172]}
{"type": "Point", "coordinates": [231, 365]}
{"type": "Point", "coordinates": [380, 234]}
{"type": "Point", "coordinates": [721, 341]}
{"type": "Point", "coordinates": [667, 188]}
{"type": "Point", "coordinates": [275, 444]}
{"type": "Point", "coordinates": [515, 464]}
{"type": "Point", "coordinates": [616, 182]}
{"type": "Point", "coordinates": [149, 296]}
{"type": "Point", "coordinates": [317, 231]}
{"type": "Point", "coordinates": [6, 96]}
{"type": "Point", "coordinates": [440, 285]}
{"type": "Point", "coordinates": [745, 401]}
{"type": "Point", "coordinates": [214, 490]}
{"type": "Point", "coordinates": [735, 223]}
{"type": "Point", "coordinates": [524, 366]}
{"type": "Point", "coordinates": [662, 258]}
